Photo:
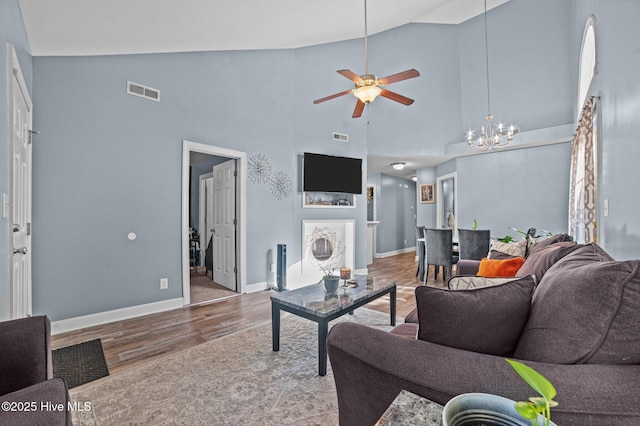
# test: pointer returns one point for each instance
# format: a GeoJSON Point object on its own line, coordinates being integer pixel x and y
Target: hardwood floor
{"type": "Point", "coordinates": [131, 342]}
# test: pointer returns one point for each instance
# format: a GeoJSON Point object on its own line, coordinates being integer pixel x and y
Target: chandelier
{"type": "Point", "coordinates": [491, 136]}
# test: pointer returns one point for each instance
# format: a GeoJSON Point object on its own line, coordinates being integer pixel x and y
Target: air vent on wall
{"type": "Point", "coordinates": [143, 91]}
{"type": "Point", "coordinates": [340, 137]}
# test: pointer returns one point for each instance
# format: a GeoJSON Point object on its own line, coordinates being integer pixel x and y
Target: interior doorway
{"type": "Point", "coordinates": [447, 202]}
{"type": "Point", "coordinates": [213, 223]}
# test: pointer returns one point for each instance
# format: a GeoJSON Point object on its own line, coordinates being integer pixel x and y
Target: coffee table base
{"type": "Point", "coordinates": [323, 323]}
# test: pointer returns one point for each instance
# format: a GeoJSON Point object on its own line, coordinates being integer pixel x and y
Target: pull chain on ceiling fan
{"type": "Point", "coordinates": [368, 86]}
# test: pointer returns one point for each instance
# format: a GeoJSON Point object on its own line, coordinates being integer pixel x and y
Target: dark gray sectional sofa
{"type": "Point", "coordinates": [579, 326]}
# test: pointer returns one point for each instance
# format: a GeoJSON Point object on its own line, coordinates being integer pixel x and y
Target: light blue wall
{"type": "Point", "coordinates": [427, 214]}
{"type": "Point", "coordinates": [618, 85]}
{"type": "Point", "coordinates": [521, 188]}
{"type": "Point", "coordinates": [109, 164]}
{"type": "Point", "coordinates": [12, 31]}
{"type": "Point", "coordinates": [532, 65]}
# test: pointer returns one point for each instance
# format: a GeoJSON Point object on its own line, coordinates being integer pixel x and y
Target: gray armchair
{"type": "Point", "coordinates": [26, 375]}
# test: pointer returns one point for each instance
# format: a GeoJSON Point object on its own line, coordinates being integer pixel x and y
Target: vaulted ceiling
{"type": "Point", "coordinates": [104, 27]}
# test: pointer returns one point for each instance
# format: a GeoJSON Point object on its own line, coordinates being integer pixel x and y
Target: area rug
{"type": "Point", "coordinates": [81, 363]}
{"type": "Point", "coordinates": [234, 380]}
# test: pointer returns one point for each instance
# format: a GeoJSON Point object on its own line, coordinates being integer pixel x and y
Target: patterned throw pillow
{"type": "Point", "coordinates": [500, 250]}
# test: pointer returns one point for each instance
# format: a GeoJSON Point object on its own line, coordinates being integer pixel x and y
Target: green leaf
{"type": "Point", "coordinates": [475, 224]}
{"type": "Point", "coordinates": [536, 380]}
{"type": "Point", "coordinates": [526, 409]}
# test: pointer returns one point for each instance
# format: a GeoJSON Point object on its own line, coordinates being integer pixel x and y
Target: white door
{"type": "Point", "coordinates": [20, 193]}
{"type": "Point", "coordinates": [224, 224]}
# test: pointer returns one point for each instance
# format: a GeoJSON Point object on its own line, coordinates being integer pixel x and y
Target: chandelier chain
{"type": "Point", "coordinates": [486, 51]}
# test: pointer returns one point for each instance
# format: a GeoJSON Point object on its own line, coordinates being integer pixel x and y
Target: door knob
{"type": "Point", "coordinates": [16, 227]}
{"type": "Point", "coordinates": [21, 250]}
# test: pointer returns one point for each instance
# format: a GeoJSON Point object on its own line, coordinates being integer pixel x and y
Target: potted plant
{"type": "Point", "coordinates": [331, 281]}
{"type": "Point", "coordinates": [487, 409]}
{"type": "Point", "coordinates": [538, 405]}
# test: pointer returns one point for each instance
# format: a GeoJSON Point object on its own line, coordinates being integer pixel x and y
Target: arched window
{"type": "Point", "coordinates": [587, 68]}
{"type": "Point", "coordinates": [583, 196]}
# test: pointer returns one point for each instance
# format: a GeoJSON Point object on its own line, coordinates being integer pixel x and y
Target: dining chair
{"type": "Point", "coordinates": [439, 252]}
{"type": "Point", "coordinates": [474, 243]}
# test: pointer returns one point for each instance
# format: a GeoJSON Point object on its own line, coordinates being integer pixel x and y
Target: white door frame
{"type": "Point", "coordinates": [439, 195]}
{"type": "Point", "coordinates": [241, 209]}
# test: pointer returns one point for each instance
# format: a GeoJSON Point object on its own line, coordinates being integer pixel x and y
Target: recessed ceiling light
{"type": "Point", "coordinates": [398, 166]}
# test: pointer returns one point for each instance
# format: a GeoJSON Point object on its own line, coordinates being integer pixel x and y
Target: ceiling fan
{"type": "Point", "coordinates": [369, 86]}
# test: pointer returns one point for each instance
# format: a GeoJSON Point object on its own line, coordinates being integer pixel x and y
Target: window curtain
{"type": "Point", "coordinates": [583, 194]}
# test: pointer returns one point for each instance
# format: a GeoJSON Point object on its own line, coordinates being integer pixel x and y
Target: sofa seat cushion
{"type": "Point", "coordinates": [487, 320]}
{"type": "Point", "coordinates": [407, 329]}
{"type": "Point", "coordinates": [539, 261]}
{"type": "Point", "coordinates": [586, 310]}
{"type": "Point", "coordinates": [412, 317]}
{"type": "Point", "coordinates": [500, 267]}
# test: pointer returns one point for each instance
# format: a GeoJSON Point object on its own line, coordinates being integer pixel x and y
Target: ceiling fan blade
{"type": "Point", "coordinates": [350, 75]}
{"type": "Point", "coordinates": [346, 92]}
{"type": "Point", "coordinates": [357, 112]}
{"type": "Point", "coordinates": [404, 75]}
{"type": "Point", "coordinates": [396, 97]}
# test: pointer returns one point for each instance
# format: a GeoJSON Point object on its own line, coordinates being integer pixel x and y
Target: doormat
{"type": "Point", "coordinates": [81, 363]}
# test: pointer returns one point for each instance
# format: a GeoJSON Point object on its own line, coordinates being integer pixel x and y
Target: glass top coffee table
{"type": "Point", "coordinates": [313, 303]}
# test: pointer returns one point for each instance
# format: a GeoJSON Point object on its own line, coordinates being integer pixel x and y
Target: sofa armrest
{"type": "Point", "coordinates": [371, 367]}
{"type": "Point", "coordinates": [43, 404]}
{"type": "Point", "coordinates": [25, 358]}
{"type": "Point", "coordinates": [467, 267]}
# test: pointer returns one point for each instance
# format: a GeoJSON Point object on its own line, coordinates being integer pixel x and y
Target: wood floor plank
{"type": "Point", "coordinates": [129, 343]}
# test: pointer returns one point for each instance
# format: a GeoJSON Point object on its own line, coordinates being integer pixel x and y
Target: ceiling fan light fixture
{"type": "Point", "coordinates": [367, 93]}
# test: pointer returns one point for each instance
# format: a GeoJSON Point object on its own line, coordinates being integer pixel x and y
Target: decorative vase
{"type": "Point", "coordinates": [474, 409]}
{"type": "Point", "coordinates": [331, 283]}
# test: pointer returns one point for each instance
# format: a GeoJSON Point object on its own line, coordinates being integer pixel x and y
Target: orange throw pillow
{"type": "Point", "coordinates": [499, 267]}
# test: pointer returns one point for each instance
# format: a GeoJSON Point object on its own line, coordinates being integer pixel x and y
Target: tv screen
{"type": "Point", "coordinates": [326, 173]}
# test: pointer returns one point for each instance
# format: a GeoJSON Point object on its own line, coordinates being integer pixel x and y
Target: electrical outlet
{"type": "Point", "coordinates": [164, 283]}
{"type": "Point", "coordinates": [272, 267]}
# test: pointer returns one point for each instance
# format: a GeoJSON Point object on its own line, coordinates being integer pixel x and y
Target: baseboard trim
{"type": "Point", "coordinates": [395, 252]}
{"type": "Point", "coordinates": [256, 287]}
{"type": "Point", "coordinates": [76, 323]}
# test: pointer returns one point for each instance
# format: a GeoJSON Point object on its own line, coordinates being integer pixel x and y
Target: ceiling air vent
{"type": "Point", "coordinates": [143, 91]}
{"type": "Point", "coordinates": [341, 137]}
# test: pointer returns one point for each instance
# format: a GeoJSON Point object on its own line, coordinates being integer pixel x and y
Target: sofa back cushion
{"type": "Point", "coordinates": [542, 244]}
{"type": "Point", "coordinates": [586, 310]}
{"type": "Point", "coordinates": [539, 261]}
{"type": "Point", "coordinates": [487, 320]}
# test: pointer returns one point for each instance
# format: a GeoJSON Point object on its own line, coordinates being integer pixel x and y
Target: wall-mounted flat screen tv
{"type": "Point", "coordinates": [326, 173]}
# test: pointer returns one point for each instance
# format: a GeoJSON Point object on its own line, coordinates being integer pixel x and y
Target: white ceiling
{"type": "Point", "coordinates": [107, 27]}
